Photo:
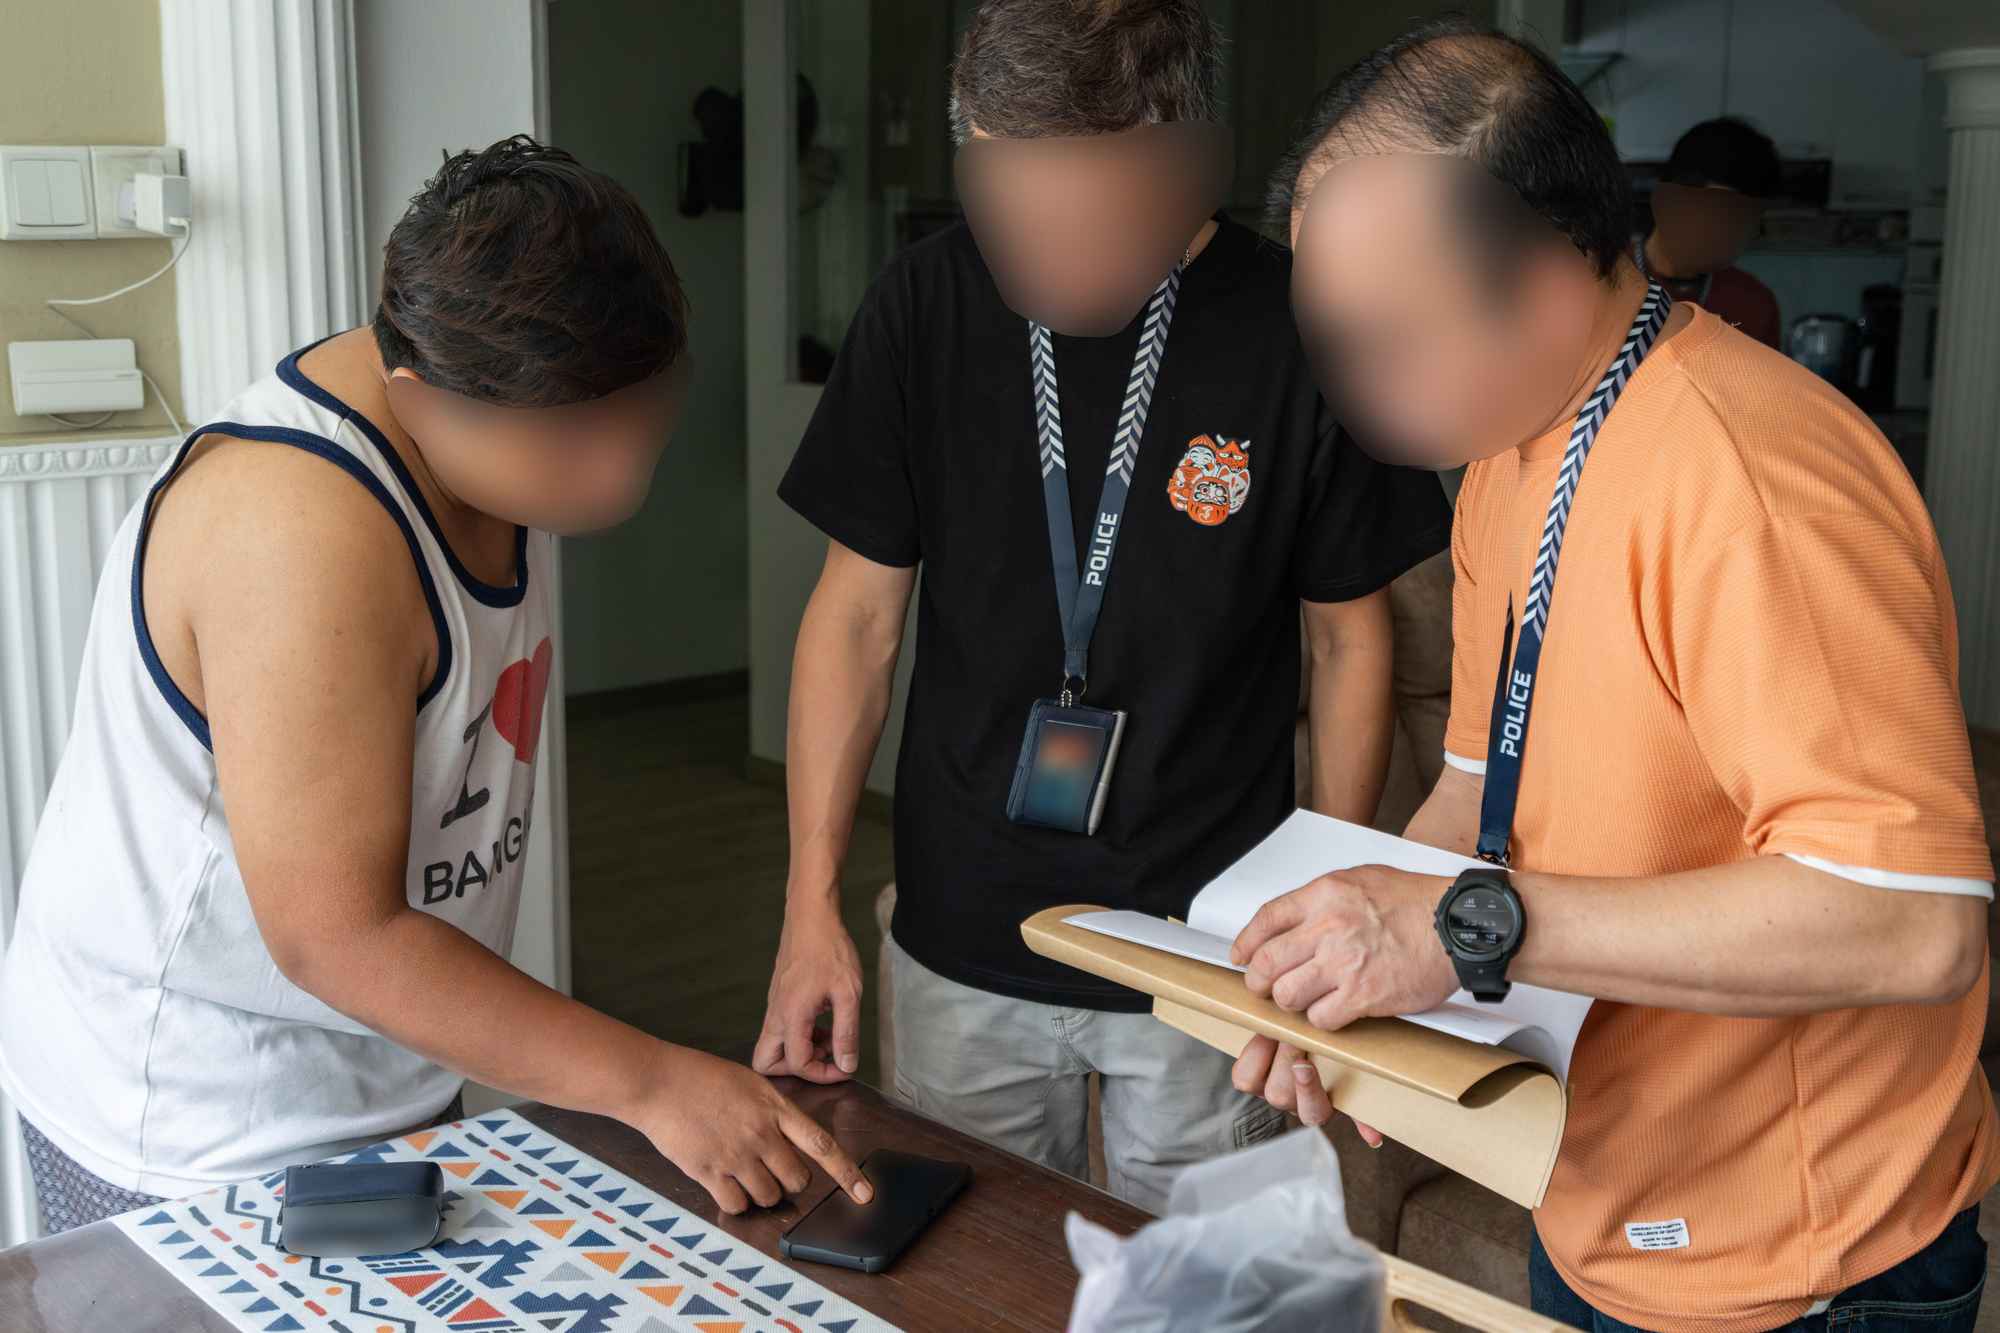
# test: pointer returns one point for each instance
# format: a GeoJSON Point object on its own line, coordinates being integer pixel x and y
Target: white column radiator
{"type": "Point", "coordinates": [60, 504]}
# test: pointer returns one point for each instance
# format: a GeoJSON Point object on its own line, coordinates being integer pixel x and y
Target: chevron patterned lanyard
{"type": "Point", "coordinates": [1080, 584]}
{"type": "Point", "coordinates": [1514, 690]}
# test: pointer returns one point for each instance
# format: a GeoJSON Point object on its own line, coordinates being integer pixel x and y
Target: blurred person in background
{"type": "Point", "coordinates": [1706, 208]}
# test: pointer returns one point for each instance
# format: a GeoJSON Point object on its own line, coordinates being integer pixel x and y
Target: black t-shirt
{"type": "Point", "coordinates": [923, 449]}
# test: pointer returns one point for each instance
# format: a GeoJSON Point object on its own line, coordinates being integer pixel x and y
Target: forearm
{"type": "Point", "coordinates": [1449, 816]}
{"type": "Point", "coordinates": [1754, 938]}
{"type": "Point", "coordinates": [843, 670]}
{"type": "Point", "coordinates": [430, 987]}
{"type": "Point", "coordinates": [1351, 719]}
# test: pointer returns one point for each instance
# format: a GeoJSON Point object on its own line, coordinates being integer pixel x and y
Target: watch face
{"type": "Point", "coordinates": [1481, 922]}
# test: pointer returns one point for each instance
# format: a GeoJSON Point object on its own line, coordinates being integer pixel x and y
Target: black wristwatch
{"type": "Point", "coordinates": [1481, 921]}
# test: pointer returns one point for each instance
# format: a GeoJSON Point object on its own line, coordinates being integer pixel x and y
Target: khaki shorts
{"type": "Point", "coordinates": [1015, 1073]}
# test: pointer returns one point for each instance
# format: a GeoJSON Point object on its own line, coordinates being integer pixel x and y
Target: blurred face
{"type": "Point", "coordinates": [1702, 228]}
{"type": "Point", "coordinates": [1078, 231]}
{"type": "Point", "coordinates": [1436, 338]}
{"type": "Point", "coordinates": [576, 468]}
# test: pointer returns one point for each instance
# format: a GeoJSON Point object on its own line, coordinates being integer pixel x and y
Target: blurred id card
{"type": "Point", "coordinates": [1065, 767]}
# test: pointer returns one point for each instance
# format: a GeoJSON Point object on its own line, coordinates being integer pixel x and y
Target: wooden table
{"type": "Point", "coordinates": [994, 1260]}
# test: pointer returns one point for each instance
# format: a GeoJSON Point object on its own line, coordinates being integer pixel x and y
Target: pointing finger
{"type": "Point", "coordinates": [815, 1142]}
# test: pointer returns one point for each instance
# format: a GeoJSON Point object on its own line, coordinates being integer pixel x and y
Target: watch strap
{"type": "Point", "coordinates": [1484, 981]}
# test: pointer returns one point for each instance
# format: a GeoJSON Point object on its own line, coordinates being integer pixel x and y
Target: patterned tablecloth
{"type": "Point", "coordinates": [537, 1238]}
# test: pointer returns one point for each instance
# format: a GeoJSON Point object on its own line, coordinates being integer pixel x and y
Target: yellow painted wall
{"type": "Point", "coordinates": [85, 72]}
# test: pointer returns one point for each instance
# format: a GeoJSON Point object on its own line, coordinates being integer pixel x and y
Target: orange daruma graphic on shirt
{"type": "Point", "coordinates": [1212, 480]}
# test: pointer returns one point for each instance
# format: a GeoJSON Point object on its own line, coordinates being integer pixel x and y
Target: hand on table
{"type": "Point", "coordinates": [742, 1140]}
{"type": "Point", "coordinates": [818, 968]}
{"type": "Point", "coordinates": [1352, 944]}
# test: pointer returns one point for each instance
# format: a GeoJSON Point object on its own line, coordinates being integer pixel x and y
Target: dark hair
{"type": "Point", "coordinates": [1728, 152]}
{"type": "Point", "coordinates": [1029, 68]}
{"type": "Point", "coordinates": [520, 277]}
{"type": "Point", "coordinates": [1458, 88]}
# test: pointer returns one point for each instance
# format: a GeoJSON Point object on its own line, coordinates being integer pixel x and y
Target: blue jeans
{"type": "Point", "coordinates": [1935, 1290]}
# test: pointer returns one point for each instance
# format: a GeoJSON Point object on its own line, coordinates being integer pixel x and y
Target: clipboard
{"type": "Point", "coordinates": [1486, 1112]}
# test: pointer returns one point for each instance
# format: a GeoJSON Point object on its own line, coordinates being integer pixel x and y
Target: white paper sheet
{"type": "Point", "coordinates": [1158, 933]}
{"type": "Point", "coordinates": [1540, 1024]}
{"type": "Point", "coordinates": [1300, 850]}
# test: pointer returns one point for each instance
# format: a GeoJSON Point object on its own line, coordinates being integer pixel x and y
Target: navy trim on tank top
{"type": "Point", "coordinates": [313, 444]}
{"type": "Point", "coordinates": [488, 593]}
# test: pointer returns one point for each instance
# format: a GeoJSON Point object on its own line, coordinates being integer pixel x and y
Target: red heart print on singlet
{"type": "Point", "coordinates": [518, 698]}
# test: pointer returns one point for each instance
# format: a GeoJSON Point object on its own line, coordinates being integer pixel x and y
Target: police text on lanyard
{"type": "Point", "coordinates": [1080, 594]}
{"type": "Point", "coordinates": [1514, 689]}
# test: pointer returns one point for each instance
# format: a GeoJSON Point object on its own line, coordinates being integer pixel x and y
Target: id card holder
{"type": "Point", "coordinates": [1064, 771]}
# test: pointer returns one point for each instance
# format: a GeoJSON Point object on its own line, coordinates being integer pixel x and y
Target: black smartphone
{"type": "Point", "coordinates": [909, 1192]}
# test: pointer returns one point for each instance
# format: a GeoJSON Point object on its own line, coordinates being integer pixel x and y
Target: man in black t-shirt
{"type": "Point", "coordinates": [1245, 504]}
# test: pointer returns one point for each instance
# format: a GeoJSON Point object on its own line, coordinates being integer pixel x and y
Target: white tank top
{"type": "Point", "coordinates": [143, 1026]}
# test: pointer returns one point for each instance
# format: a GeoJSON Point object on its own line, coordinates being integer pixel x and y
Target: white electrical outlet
{"type": "Point", "coordinates": [111, 170]}
{"type": "Point", "coordinates": [78, 194]}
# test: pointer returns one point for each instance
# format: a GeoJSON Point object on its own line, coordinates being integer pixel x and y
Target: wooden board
{"type": "Point", "coordinates": [1410, 1287]}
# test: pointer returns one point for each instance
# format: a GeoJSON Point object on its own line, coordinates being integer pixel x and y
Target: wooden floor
{"type": "Point", "coordinates": [677, 867]}
{"type": "Point", "coordinates": [677, 870]}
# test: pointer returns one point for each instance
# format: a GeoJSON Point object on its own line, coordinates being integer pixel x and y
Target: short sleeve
{"type": "Point", "coordinates": [850, 477]}
{"type": "Point", "coordinates": [1816, 660]}
{"type": "Point", "coordinates": [1476, 631]}
{"type": "Point", "coordinates": [1365, 522]}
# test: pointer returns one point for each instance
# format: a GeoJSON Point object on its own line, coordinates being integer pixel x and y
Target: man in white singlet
{"type": "Point", "coordinates": [269, 904]}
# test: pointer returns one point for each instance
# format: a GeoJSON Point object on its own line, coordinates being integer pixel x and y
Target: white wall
{"type": "Point", "coordinates": [1806, 72]}
{"type": "Point", "coordinates": [435, 77]}
{"type": "Point", "coordinates": [785, 551]}
{"type": "Point", "coordinates": [665, 596]}
{"type": "Point", "coordinates": [431, 77]}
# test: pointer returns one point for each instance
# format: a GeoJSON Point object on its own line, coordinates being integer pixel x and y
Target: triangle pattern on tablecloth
{"type": "Point", "coordinates": [521, 1252]}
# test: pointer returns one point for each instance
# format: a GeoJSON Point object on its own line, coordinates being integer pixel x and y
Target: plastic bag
{"type": "Point", "coordinates": [1254, 1240]}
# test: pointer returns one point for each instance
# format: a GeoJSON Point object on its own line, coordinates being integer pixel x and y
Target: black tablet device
{"type": "Point", "coordinates": [909, 1192]}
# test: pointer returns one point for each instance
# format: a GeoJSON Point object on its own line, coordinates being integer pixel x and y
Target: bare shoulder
{"type": "Point", "coordinates": [249, 510]}
{"type": "Point", "coordinates": [251, 532]}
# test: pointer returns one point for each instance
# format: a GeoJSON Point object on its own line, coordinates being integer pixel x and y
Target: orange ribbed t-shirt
{"type": "Point", "coordinates": [1751, 650]}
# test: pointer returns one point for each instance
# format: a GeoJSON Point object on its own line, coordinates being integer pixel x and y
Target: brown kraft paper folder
{"type": "Point", "coordinates": [1485, 1112]}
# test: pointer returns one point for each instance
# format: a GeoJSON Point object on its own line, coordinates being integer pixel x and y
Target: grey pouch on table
{"type": "Point", "coordinates": [342, 1209]}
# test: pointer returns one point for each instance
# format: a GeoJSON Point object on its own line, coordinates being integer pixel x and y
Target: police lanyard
{"type": "Point", "coordinates": [1080, 593]}
{"type": "Point", "coordinates": [1514, 689]}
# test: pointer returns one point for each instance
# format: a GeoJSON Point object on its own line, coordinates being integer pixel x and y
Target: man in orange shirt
{"type": "Point", "coordinates": [1705, 720]}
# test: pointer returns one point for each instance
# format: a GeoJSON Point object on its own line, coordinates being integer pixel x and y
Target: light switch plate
{"type": "Point", "coordinates": [113, 168]}
{"type": "Point", "coordinates": [46, 195]}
